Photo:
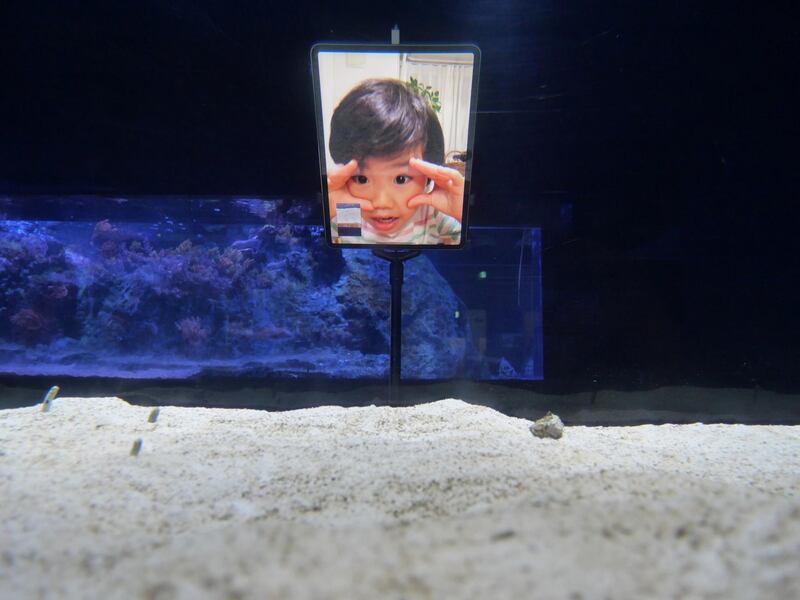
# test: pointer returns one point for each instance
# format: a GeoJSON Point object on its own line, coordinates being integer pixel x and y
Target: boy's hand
{"type": "Point", "coordinates": [338, 176]}
{"type": "Point", "coordinates": [447, 195]}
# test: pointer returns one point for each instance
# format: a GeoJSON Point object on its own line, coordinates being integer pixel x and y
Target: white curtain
{"type": "Point", "coordinates": [453, 82]}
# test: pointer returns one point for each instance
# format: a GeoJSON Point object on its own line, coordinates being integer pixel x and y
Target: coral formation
{"type": "Point", "coordinates": [29, 326]}
{"type": "Point", "coordinates": [193, 334]}
{"type": "Point", "coordinates": [37, 293]}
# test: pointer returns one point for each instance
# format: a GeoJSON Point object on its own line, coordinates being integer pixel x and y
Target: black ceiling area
{"type": "Point", "coordinates": [654, 143]}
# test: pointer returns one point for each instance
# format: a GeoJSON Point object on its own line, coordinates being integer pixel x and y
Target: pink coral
{"type": "Point", "coordinates": [30, 325]}
{"type": "Point", "coordinates": [103, 230]}
{"type": "Point", "coordinates": [193, 334]}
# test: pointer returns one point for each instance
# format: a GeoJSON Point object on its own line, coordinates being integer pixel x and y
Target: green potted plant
{"type": "Point", "coordinates": [427, 92]}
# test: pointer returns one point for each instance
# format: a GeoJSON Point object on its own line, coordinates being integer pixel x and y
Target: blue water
{"type": "Point", "coordinates": [178, 287]}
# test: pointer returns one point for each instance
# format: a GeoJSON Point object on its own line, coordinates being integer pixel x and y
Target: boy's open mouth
{"type": "Point", "coordinates": [384, 223]}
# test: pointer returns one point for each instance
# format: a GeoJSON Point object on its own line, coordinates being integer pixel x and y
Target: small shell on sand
{"type": "Point", "coordinates": [549, 425]}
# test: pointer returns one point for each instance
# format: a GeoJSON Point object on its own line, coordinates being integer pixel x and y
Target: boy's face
{"type": "Point", "coordinates": [389, 183]}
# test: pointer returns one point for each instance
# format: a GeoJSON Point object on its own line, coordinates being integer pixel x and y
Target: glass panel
{"type": "Point", "coordinates": [498, 278]}
{"type": "Point", "coordinates": [176, 287]}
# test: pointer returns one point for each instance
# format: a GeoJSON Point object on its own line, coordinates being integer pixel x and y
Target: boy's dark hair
{"type": "Point", "coordinates": [382, 117]}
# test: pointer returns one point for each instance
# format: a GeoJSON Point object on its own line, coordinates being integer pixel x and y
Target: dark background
{"type": "Point", "coordinates": [655, 143]}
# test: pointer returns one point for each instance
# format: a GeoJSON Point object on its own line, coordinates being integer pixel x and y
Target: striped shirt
{"type": "Point", "coordinates": [427, 226]}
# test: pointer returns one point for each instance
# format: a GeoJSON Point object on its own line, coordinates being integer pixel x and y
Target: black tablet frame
{"type": "Point", "coordinates": [396, 49]}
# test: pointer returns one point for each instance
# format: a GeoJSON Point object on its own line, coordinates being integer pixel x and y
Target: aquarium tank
{"type": "Point", "coordinates": [178, 287]}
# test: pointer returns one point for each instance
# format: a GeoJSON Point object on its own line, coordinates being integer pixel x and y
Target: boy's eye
{"type": "Point", "coordinates": [360, 179]}
{"type": "Point", "coordinates": [401, 179]}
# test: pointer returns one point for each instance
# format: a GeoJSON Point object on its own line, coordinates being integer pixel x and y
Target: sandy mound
{"type": "Point", "coordinates": [444, 500]}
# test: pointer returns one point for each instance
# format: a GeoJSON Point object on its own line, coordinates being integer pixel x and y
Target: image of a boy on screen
{"type": "Point", "coordinates": [388, 184]}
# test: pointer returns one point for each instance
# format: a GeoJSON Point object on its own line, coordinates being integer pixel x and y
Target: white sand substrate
{"type": "Point", "coordinates": [442, 500]}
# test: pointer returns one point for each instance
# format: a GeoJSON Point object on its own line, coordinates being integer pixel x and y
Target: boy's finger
{"type": "Point", "coordinates": [420, 200]}
{"type": "Point", "coordinates": [338, 175]}
{"type": "Point", "coordinates": [365, 204]}
{"type": "Point", "coordinates": [437, 172]}
{"type": "Point", "coordinates": [346, 169]}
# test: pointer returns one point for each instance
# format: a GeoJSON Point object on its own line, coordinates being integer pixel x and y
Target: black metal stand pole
{"type": "Point", "coordinates": [396, 259]}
